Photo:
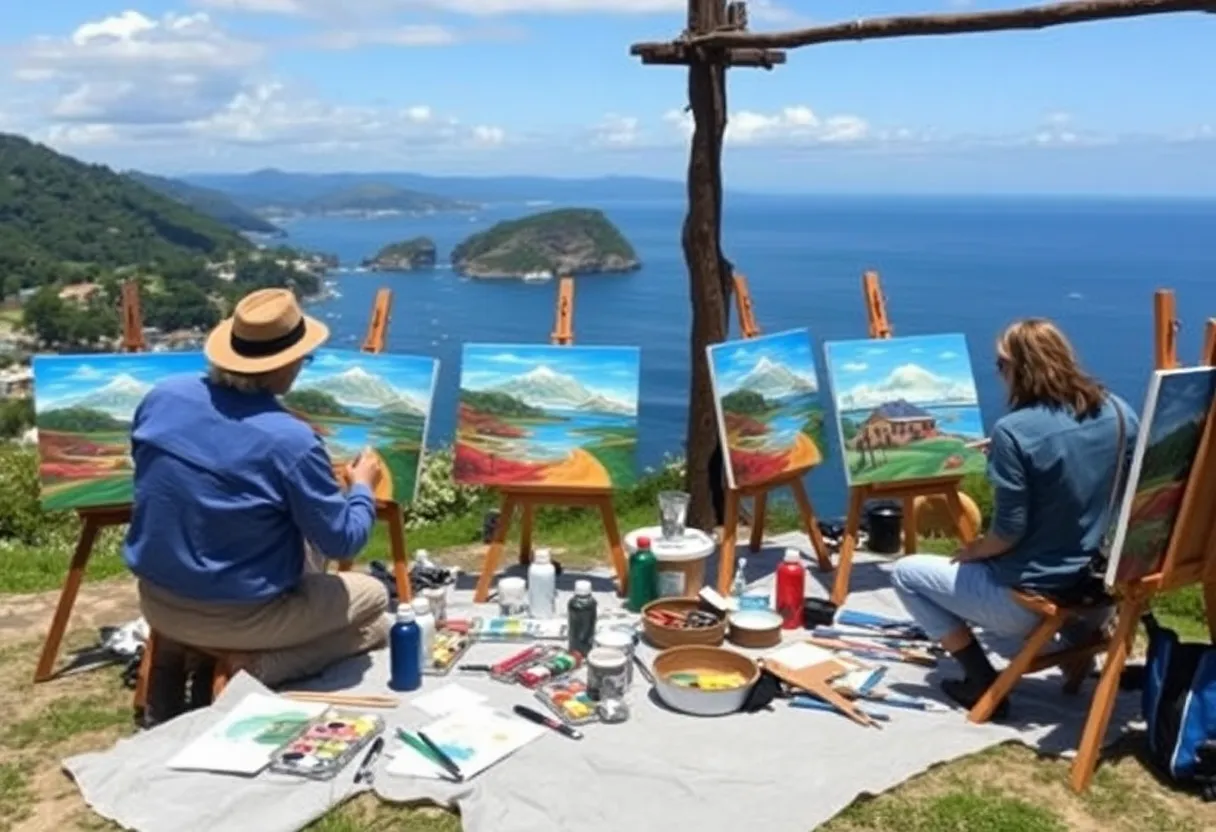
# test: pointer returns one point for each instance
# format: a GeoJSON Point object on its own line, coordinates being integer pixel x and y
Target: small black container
{"type": "Point", "coordinates": [886, 522]}
{"type": "Point", "coordinates": [818, 612]}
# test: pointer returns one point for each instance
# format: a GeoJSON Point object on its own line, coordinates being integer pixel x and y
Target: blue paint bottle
{"type": "Point", "coordinates": [405, 651]}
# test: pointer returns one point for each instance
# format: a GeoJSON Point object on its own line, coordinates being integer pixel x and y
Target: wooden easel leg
{"type": "Point", "coordinates": [966, 532]}
{"type": "Point", "coordinates": [525, 534]}
{"type": "Point", "coordinates": [759, 514]}
{"type": "Point", "coordinates": [1209, 603]}
{"type": "Point", "coordinates": [910, 530]}
{"type": "Point", "coordinates": [811, 524]}
{"type": "Point", "coordinates": [852, 525]}
{"type": "Point", "coordinates": [145, 671]}
{"type": "Point", "coordinates": [67, 598]}
{"type": "Point", "coordinates": [615, 547]}
{"type": "Point", "coordinates": [396, 541]}
{"type": "Point", "coordinates": [489, 566]}
{"type": "Point", "coordinates": [1104, 696]}
{"type": "Point", "coordinates": [730, 531]}
{"type": "Point", "coordinates": [982, 710]}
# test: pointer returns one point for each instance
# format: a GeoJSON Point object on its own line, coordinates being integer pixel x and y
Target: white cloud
{"type": "Point", "coordinates": [480, 8]}
{"type": "Point", "coordinates": [912, 383]}
{"type": "Point", "coordinates": [408, 35]}
{"type": "Point", "coordinates": [617, 131]}
{"type": "Point", "coordinates": [130, 79]}
{"type": "Point", "coordinates": [854, 367]}
{"type": "Point", "coordinates": [796, 124]}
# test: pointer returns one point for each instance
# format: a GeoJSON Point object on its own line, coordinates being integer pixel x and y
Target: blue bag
{"type": "Point", "coordinates": [1179, 704]}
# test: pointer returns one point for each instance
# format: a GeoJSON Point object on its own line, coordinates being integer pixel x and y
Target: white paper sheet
{"type": "Point", "coordinates": [247, 737]}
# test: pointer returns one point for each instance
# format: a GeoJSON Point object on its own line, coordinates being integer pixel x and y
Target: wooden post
{"type": "Point", "coordinates": [92, 520]}
{"type": "Point", "coordinates": [529, 499]}
{"type": "Point", "coordinates": [1165, 330]}
{"type": "Point", "coordinates": [388, 511]}
{"type": "Point", "coordinates": [1190, 558]}
{"type": "Point", "coordinates": [759, 492]}
{"type": "Point", "coordinates": [905, 491]}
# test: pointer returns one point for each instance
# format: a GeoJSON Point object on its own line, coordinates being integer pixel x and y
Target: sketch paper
{"type": "Point", "coordinates": [770, 415]}
{"type": "Point", "coordinates": [1174, 416]}
{"type": "Point", "coordinates": [83, 408]}
{"type": "Point", "coordinates": [907, 408]}
{"type": "Point", "coordinates": [244, 740]}
{"type": "Point", "coordinates": [473, 738]}
{"type": "Point", "coordinates": [383, 401]}
{"type": "Point", "coordinates": [447, 699]}
{"type": "Point", "coordinates": [543, 415]}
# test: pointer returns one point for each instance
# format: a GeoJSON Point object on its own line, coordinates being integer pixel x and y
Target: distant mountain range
{"type": "Point", "coordinates": [775, 381]}
{"type": "Point", "coordinates": [118, 397]}
{"type": "Point", "coordinates": [206, 201]}
{"type": "Point", "coordinates": [544, 388]}
{"type": "Point", "coordinates": [358, 388]}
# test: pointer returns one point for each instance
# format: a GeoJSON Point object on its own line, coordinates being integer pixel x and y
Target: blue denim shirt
{"type": "Point", "coordinates": [1052, 476]}
{"type": "Point", "coordinates": [228, 486]}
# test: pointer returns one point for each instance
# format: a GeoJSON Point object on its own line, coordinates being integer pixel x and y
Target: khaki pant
{"type": "Point", "coordinates": [326, 618]}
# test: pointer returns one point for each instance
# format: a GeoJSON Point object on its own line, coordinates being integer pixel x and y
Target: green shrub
{"type": "Point", "coordinates": [439, 498]}
{"type": "Point", "coordinates": [22, 519]}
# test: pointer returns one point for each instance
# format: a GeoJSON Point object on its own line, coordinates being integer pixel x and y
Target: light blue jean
{"type": "Point", "coordinates": [943, 596]}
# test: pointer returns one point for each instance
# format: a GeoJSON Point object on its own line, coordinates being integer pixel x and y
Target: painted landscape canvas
{"type": "Point", "coordinates": [1171, 425]}
{"type": "Point", "coordinates": [907, 408]}
{"type": "Point", "coordinates": [83, 407]}
{"type": "Point", "coordinates": [382, 401]}
{"type": "Point", "coordinates": [554, 416]}
{"type": "Point", "coordinates": [770, 414]}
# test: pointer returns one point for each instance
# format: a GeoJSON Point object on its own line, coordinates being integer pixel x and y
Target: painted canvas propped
{"type": "Point", "coordinates": [770, 414]}
{"type": "Point", "coordinates": [907, 408]}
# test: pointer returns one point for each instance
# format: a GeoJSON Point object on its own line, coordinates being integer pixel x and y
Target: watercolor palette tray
{"type": "Point", "coordinates": [502, 628]}
{"type": "Point", "coordinates": [326, 745]}
{"type": "Point", "coordinates": [568, 699]}
{"type": "Point", "coordinates": [450, 647]}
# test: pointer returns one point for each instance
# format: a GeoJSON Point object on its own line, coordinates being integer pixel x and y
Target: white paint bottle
{"type": "Point", "coordinates": [542, 586]}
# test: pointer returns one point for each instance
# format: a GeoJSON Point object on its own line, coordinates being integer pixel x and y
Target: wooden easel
{"type": "Point", "coordinates": [905, 491]}
{"type": "Point", "coordinates": [92, 520]}
{"type": "Point", "coordinates": [528, 499]}
{"type": "Point", "coordinates": [759, 491]}
{"type": "Point", "coordinates": [1190, 556]}
{"type": "Point", "coordinates": [388, 511]}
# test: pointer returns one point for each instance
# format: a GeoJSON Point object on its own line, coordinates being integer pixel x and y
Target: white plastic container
{"type": "Point", "coordinates": [425, 620]}
{"type": "Point", "coordinates": [542, 586]}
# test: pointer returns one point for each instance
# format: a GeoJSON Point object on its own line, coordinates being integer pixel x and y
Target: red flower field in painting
{"type": "Point", "coordinates": [753, 467]}
{"type": "Point", "coordinates": [473, 465]}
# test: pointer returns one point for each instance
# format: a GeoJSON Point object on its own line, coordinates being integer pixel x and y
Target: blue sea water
{"type": "Point", "coordinates": [967, 265]}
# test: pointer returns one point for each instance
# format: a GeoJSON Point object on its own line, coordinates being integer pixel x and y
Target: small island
{"type": "Point", "coordinates": [563, 242]}
{"type": "Point", "coordinates": [407, 256]}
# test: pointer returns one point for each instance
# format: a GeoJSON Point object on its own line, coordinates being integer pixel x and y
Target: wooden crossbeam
{"type": "Point", "coordinates": [682, 54]}
{"type": "Point", "coordinates": [1031, 17]}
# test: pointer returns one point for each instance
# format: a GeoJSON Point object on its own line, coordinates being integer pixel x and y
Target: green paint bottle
{"type": "Point", "coordinates": [643, 576]}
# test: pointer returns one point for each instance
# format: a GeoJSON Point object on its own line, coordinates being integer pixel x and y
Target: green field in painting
{"type": "Point", "coordinates": [916, 460]}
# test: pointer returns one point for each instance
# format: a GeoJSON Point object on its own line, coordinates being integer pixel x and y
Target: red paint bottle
{"type": "Point", "coordinates": [791, 589]}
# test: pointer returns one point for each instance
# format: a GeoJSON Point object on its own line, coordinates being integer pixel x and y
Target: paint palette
{"type": "Point", "coordinates": [501, 628]}
{"type": "Point", "coordinates": [326, 745]}
{"type": "Point", "coordinates": [449, 647]}
{"type": "Point", "coordinates": [569, 700]}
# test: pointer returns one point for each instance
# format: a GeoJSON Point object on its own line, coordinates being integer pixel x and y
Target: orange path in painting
{"type": "Point", "coordinates": [804, 454]}
{"type": "Point", "coordinates": [578, 469]}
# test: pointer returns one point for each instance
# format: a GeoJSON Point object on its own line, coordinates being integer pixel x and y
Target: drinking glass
{"type": "Point", "coordinates": [673, 509]}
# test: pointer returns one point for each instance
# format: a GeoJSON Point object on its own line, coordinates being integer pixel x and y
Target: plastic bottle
{"type": "Point", "coordinates": [581, 612]}
{"type": "Point", "coordinates": [643, 576]}
{"type": "Point", "coordinates": [425, 620]}
{"type": "Point", "coordinates": [791, 589]}
{"type": "Point", "coordinates": [404, 652]}
{"type": "Point", "coordinates": [542, 586]}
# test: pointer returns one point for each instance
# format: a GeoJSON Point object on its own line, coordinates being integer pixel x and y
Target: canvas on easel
{"type": "Point", "coordinates": [770, 419]}
{"type": "Point", "coordinates": [908, 432]}
{"type": "Point", "coordinates": [543, 431]}
{"type": "Point", "coordinates": [1172, 423]}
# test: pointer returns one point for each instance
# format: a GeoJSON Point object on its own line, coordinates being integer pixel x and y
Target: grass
{"type": "Point", "coordinates": [1006, 789]}
{"type": "Point", "coordinates": [924, 458]}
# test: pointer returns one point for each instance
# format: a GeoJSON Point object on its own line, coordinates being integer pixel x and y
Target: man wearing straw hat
{"type": "Point", "coordinates": [230, 491]}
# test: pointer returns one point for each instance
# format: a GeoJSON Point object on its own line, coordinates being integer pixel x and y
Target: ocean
{"type": "Point", "coordinates": [948, 264]}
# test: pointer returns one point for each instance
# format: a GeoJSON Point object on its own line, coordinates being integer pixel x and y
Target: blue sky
{"type": "Point", "coordinates": [606, 371]}
{"type": "Point", "coordinates": [791, 349]}
{"type": "Point", "coordinates": [412, 375]}
{"type": "Point", "coordinates": [923, 369]}
{"type": "Point", "coordinates": [1184, 396]}
{"type": "Point", "coordinates": [548, 87]}
{"type": "Point", "coordinates": [58, 380]}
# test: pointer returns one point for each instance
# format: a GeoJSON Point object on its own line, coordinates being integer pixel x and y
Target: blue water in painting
{"type": "Point", "coordinates": [554, 440]}
{"type": "Point", "coordinates": [955, 264]}
{"type": "Point", "coordinates": [787, 422]}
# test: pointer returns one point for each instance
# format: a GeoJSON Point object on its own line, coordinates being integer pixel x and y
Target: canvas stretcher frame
{"type": "Point", "coordinates": [527, 499]}
{"type": "Point", "coordinates": [905, 491]}
{"type": "Point", "coordinates": [759, 492]}
{"type": "Point", "coordinates": [94, 519]}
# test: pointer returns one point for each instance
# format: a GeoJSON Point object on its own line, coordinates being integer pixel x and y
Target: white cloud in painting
{"type": "Point", "coordinates": [912, 383]}
{"type": "Point", "coordinates": [876, 351]}
{"type": "Point", "coordinates": [86, 372]}
{"type": "Point", "coordinates": [948, 356]}
{"type": "Point", "coordinates": [854, 366]}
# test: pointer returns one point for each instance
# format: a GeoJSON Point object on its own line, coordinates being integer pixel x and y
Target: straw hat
{"type": "Point", "coordinates": [267, 331]}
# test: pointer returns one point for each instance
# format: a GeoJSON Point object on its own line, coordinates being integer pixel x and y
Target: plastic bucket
{"type": "Point", "coordinates": [680, 564]}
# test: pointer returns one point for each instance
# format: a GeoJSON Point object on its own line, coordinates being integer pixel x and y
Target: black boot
{"type": "Point", "coordinates": [978, 676]}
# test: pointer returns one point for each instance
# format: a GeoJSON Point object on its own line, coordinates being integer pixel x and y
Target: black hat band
{"type": "Point", "coordinates": [262, 349]}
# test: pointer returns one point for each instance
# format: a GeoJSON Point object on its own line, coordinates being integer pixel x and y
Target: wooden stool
{"type": "Point", "coordinates": [1031, 659]}
{"type": "Point", "coordinates": [224, 665]}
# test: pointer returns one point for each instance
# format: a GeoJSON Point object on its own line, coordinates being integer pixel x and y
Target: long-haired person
{"type": "Point", "coordinates": [1055, 462]}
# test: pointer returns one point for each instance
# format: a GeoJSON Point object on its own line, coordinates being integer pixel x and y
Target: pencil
{"type": "Point", "coordinates": [343, 699]}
